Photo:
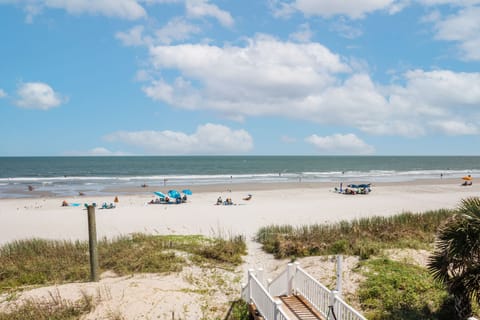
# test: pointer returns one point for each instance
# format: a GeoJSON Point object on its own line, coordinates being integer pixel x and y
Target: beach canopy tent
{"type": "Point", "coordinates": [187, 192]}
{"type": "Point", "coordinates": [174, 194]}
{"type": "Point", "coordinates": [161, 195]}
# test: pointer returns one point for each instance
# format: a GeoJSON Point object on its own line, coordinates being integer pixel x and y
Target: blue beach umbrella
{"type": "Point", "coordinates": [174, 194]}
{"type": "Point", "coordinates": [160, 194]}
{"type": "Point", "coordinates": [187, 191]}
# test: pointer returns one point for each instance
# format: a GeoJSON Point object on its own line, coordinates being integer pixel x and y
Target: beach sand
{"type": "Point", "coordinates": [156, 296]}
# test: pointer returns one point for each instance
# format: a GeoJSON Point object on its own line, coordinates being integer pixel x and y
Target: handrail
{"type": "Point", "coordinates": [266, 305]}
{"type": "Point", "coordinates": [295, 280]}
{"type": "Point", "coordinates": [312, 290]}
{"type": "Point", "coordinates": [345, 312]}
{"type": "Point", "coordinates": [278, 286]}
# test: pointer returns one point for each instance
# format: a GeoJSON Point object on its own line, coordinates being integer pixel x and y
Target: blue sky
{"type": "Point", "coordinates": [259, 77]}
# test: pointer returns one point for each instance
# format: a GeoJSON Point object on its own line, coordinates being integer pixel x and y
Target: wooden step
{"type": "Point", "coordinates": [300, 308]}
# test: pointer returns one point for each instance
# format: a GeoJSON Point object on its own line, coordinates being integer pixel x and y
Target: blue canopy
{"type": "Point", "coordinates": [187, 191]}
{"type": "Point", "coordinates": [174, 194]}
{"type": "Point", "coordinates": [160, 194]}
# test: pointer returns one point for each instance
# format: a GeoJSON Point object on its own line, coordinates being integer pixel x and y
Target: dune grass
{"type": "Point", "coordinates": [40, 262]}
{"type": "Point", "coordinates": [361, 237]}
{"type": "Point", "coordinates": [54, 308]}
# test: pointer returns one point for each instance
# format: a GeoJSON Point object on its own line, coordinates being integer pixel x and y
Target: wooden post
{"type": "Point", "coordinates": [339, 274]}
{"type": "Point", "coordinates": [92, 243]}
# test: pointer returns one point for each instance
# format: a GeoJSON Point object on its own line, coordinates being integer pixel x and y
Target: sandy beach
{"type": "Point", "coordinates": [295, 204]}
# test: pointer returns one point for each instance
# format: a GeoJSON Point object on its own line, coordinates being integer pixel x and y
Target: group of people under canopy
{"type": "Point", "coordinates": [172, 196]}
{"type": "Point", "coordinates": [467, 180]}
{"type": "Point", "coordinates": [363, 188]}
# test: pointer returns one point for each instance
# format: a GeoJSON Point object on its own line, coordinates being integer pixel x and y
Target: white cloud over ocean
{"type": "Point", "coordinates": [340, 144]}
{"type": "Point", "coordinates": [207, 139]}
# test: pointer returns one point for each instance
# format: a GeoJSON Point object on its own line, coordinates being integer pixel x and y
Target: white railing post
{"type": "Point", "coordinates": [250, 274]}
{"type": "Point", "coordinates": [294, 278]}
{"type": "Point", "coordinates": [339, 274]}
{"type": "Point", "coordinates": [243, 288]}
{"type": "Point", "coordinates": [290, 274]}
{"type": "Point", "coordinates": [260, 275]}
{"type": "Point", "coordinates": [334, 304]}
{"type": "Point", "coordinates": [269, 283]}
{"type": "Point", "coordinates": [277, 310]}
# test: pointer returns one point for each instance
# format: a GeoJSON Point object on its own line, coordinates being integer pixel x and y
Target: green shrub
{"type": "Point", "coordinates": [401, 291]}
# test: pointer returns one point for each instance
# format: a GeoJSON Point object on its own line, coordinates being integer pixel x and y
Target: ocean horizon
{"type": "Point", "coordinates": [65, 176]}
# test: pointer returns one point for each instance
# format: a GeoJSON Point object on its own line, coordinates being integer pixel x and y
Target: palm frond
{"type": "Point", "coordinates": [470, 206]}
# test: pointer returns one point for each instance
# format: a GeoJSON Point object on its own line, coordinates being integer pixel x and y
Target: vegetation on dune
{"type": "Point", "coordinates": [401, 291]}
{"type": "Point", "coordinates": [238, 311]}
{"type": "Point", "coordinates": [39, 262]}
{"type": "Point", "coordinates": [363, 237]}
{"type": "Point", "coordinates": [54, 308]}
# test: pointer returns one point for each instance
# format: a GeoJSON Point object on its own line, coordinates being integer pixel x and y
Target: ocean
{"type": "Point", "coordinates": [70, 175]}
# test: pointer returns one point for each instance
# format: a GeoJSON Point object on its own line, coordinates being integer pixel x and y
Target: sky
{"type": "Point", "coordinates": [249, 77]}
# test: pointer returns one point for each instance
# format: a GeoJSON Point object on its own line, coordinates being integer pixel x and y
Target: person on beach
{"type": "Point", "coordinates": [219, 201]}
{"type": "Point", "coordinates": [64, 203]}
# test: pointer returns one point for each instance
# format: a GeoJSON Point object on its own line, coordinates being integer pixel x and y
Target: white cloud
{"type": "Point", "coordinates": [307, 81]}
{"type": "Point", "coordinates": [133, 37]}
{"type": "Point", "coordinates": [357, 9]}
{"type": "Point", "coordinates": [143, 75]}
{"type": "Point", "coordinates": [98, 151]}
{"type": "Point", "coordinates": [160, 1]}
{"type": "Point", "coordinates": [304, 33]}
{"type": "Point", "coordinates": [208, 139]}
{"type": "Point", "coordinates": [449, 2]}
{"type": "Point", "coordinates": [463, 28]}
{"type": "Point", "coordinates": [281, 9]}
{"type": "Point", "coordinates": [454, 127]}
{"type": "Point", "coordinates": [101, 151]}
{"type": "Point", "coordinates": [201, 8]}
{"type": "Point", "coordinates": [124, 9]}
{"type": "Point", "coordinates": [340, 144]}
{"type": "Point", "coordinates": [2, 93]}
{"type": "Point", "coordinates": [177, 29]}
{"type": "Point", "coordinates": [37, 95]}
{"type": "Point", "coordinates": [345, 29]}
{"type": "Point", "coordinates": [234, 77]}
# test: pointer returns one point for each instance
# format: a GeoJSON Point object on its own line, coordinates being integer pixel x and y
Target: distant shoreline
{"type": "Point", "coordinates": [235, 186]}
